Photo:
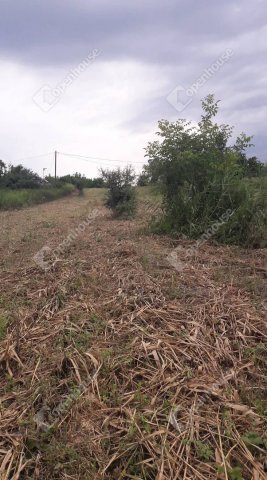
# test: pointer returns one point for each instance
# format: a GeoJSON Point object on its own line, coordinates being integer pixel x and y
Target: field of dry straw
{"type": "Point", "coordinates": [115, 366]}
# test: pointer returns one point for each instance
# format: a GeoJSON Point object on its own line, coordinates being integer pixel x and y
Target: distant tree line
{"type": "Point", "coordinates": [19, 177]}
{"type": "Point", "coordinates": [78, 180]}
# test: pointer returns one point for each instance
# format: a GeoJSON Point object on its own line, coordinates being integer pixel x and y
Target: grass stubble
{"type": "Point", "coordinates": [173, 365]}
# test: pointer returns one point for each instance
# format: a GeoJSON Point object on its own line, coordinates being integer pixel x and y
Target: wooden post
{"type": "Point", "coordinates": [55, 165]}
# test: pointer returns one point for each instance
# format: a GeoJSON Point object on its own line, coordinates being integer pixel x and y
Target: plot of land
{"type": "Point", "coordinates": [116, 366]}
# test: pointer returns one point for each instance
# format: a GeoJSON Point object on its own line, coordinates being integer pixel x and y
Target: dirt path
{"type": "Point", "coordinates": [24, 232]}
{"type": "Point", "coordinates": [115, 365]}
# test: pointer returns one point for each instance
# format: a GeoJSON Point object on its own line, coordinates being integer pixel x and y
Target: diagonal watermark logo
{"type": "Point", "coordinates": [47, 96]}
{"type": "Point", "coordinates": [175, 256]}
{"type": "Point", "coordinates": [46, 257]}
{"type": "Point", "coordinates": [180, 97]}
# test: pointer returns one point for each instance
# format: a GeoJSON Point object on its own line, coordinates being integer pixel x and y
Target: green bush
{"type": "Point", "coordinates": [121, 197]}
{"type": "Point", "coordinates": [18, 177]}
{"type": "Point", "coordinates": [126, 207]}
{"type": "Point", "coordinates": [3, 326]}
{"type": "Point", "coordinates": [248, 223]}
{"type": "Point", "coordinates": [10, 199]}
{"type": "Point", "coordinates": [205, 182]}
{"type": "Point", "coordinates": [78, 180]}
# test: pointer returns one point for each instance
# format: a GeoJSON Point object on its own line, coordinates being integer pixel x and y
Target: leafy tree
{"type": "Point", "coordinates": [201, 176]}
{"type": "Point", "coordinates": [97, 182]}
{"type": "Point", "coordinates": [143, 179]}
{"type": "Point", "coordinates": [2, 168]}
{"type": "Point", "coordinates": [2, 172]}
{"type": "Point", "coordinates": [121, 198]}
{"type": "Point", "coordinates": [252, 166]}
{"type": "Point", "coordinates": [17, 177]}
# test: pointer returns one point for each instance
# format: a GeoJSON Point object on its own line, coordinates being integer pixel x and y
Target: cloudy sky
{"type": "Point", "coordinates": [93, 77]}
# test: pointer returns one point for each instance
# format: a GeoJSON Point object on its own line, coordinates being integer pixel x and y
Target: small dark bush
{"type": "Point", "coordinates": [121, 198]}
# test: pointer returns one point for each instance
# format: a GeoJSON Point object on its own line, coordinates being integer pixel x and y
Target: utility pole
{"type": "Point", "coordinates": [44, 169]}
{"type": "Point", "coordinates": [55, 165]}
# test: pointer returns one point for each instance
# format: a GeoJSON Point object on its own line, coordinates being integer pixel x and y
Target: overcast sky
{"type": "Point", "coordinates": [94, 77]}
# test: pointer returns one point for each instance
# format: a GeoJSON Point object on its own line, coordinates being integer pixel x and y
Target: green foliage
{"type": "Point", "coordinates": [235, 473]}
{"type": "Point", "coordinates": [10, 199]}
{"type": "Point", "coordinates": [257, 353]}
{"type": "Point", "coordinates": [20, 178]}
{"type": "Point", "coordinates": [121, 198]}
{"type": "Point", "coordinates": [2, 170]}
{"type": "Point", "coordinates": [17, 177]}
{"type": "Point", "coordinates": [78, 180]}
{"type": "Point", "coordinates": [260, 406]}
{"type": "Point", "coordinates": [3, 326]}
{"type": "Point", "coordinates": [253, 439]}
{"type": "Point", "coordinates": [203, 450]}
{"type": "Point", "coordinates": [202, 178]}
{"type": "Point", "coordinates": [143, 179]}
{"type": "Point", "coordinates": [252, 166]}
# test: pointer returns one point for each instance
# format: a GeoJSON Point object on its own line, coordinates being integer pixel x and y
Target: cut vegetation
{"type": "Point", "coordinates": [116, 366]}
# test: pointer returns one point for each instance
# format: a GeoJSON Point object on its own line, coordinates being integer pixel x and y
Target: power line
{"type": "Point", "coordinates": [93, 159]}
{"type": "Point", "coordinates": [55, 164]}
{"type": "Point", "coordinates": [96, 158]}
{"type": "Point", "coordinates": [34, 156]}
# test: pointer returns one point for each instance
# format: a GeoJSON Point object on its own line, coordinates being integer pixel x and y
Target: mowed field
{"type": "Point", "coordinates": [116, 366]}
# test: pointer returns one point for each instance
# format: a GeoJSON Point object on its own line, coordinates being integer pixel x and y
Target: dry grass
{"type": "Point", "coordinates": [172, 365]}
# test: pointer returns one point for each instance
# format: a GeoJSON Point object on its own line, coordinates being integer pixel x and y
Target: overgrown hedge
{"type": "Point", "coordinates": [11, 199]}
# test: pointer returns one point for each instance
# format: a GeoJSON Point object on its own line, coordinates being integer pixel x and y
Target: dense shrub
{"type": "Point", "coordinates": [202, 177]}
{"type": "Point", "coordinates": [17, 177]}
{"type": "Point", "coordinates": [121, 197]}
{"type": "Point", "coordinates": [2, 171]}
{"type": "Point", "coordinates": [143, 180]}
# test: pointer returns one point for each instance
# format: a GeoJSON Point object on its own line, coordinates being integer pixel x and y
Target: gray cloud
{"type": "Point", "coordinates": [181, 37]}
{"type": "Point", "coordinates": [163, 32]}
